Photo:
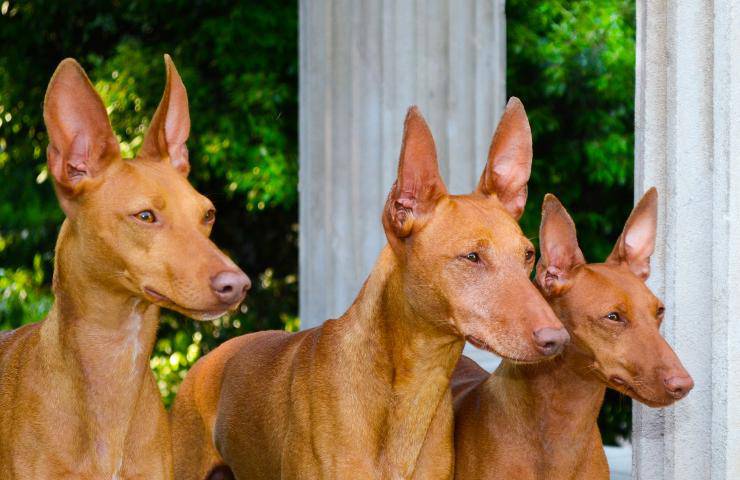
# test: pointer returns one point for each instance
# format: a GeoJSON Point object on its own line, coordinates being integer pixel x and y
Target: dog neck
{"type": "Point", "coordinates": [100, 339]}
{"type": "Point", "coordinates": [556, 401]}
{"type": "Point", "coordinates": [415, 355]}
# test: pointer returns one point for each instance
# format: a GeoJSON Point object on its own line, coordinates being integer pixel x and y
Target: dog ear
{"type": "Point", "coordinates": [509, 160]}
{"type": "Point", "coordinates": [170, 126]}
{"type": "Point", "coordinates": [559, 248]}
{"type": "Point", "coordinates": [418, 185]}
{"type": "Point", "coordinates": [81, 141]}
{"type": "Point", "coordinates": [637, 242]}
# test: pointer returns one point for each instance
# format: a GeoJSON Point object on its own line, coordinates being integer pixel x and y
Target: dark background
{"type": "Point", "coordinates": [571, 62]}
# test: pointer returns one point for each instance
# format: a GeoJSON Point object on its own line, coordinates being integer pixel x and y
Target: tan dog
{"type": "Point", "coordinates": [538, 422]}
{"type": "Point", "coordinates": [366, 395]}
{"type": "Point", "coordinates": [77, 397]}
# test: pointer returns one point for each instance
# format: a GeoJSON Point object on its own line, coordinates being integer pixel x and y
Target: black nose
{"type": "Point", "coordinates": [550, 341]}
{"type": "Point", "coordinates": [230, 286]}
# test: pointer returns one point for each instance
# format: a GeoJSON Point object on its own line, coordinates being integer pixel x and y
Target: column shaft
{"type": "Point", "coordinates": [362, 64]}
{"type": "Point", "coordinates": [687, 112]}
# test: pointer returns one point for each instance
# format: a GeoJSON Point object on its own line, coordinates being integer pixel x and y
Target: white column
{"type": "Point", "coordinates": [687, 115]}
{"type": "Point", "coordinates": [362, 64]}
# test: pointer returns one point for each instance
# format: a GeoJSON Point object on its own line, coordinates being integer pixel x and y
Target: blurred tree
{"type": "Point", "coordinates": [571, 62]}
{"type": "Point", "coordinates": [573, 65]}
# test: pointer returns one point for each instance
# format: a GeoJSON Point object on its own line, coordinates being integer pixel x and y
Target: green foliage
{"type": "Point", "coordinates": [22, 295]}
{"type": "Point", "coordinates": [573, 65]}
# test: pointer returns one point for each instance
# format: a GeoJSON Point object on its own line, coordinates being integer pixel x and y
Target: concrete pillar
{"type": "Point", "coordinates": [687, 115]}
{"type": "Point", "coordinates": [362, 64]}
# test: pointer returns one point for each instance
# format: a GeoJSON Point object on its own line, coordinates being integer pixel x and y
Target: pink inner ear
{"type": "Point", "coordinates": [179, 157]}
{"type": "Point", "coordinates": [639, 241]}
{"type": "Point", "coordinates": [558, 258]}
{"type": "Point", "coordinates": [519, 201]}
{"type": "Point", "coordinates": [511, 171]}
{"type": "Point", "coordinates": [552, 275]}
{"type": "Point", "coordinates": [405, 202]}
{"type": "Point", "coordinates": [79, 146]}
{"type": "Point", "coordinates": [177, 127]}
{"type": "Point", "coordinates": [638, 246]}
{"type": "Point", "coordinates": [504, 165]}
{"type": "Point", "coordinates": [177, 120]}
{"type": "Point", "coordinates": [76, 163]}
{"type": "Point", "coordinates": [558, 240]}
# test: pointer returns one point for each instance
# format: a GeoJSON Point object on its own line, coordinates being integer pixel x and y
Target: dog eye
{"type": "Point", "coordinates": [529, 255]}
{"type": "Point", "coordinates": [146, 216]}
{"type": "Point", "coordinates": [614, 317]}
{"type": "Point", "coordinates": [210, 216]}
{"type": "Point", "coordinates": [472, 257]}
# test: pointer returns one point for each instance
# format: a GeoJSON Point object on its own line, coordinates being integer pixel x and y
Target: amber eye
{"type": "Point", "coordinates": [146, 216]}
{"type": "Point", "coordinates": [210, 216]}
{"type": "Point", "coordinates": [528, 255]}
{"type": "Point", "coordinates": [614, 317]}
{"type": "Point", "coordinates": [472, 257]}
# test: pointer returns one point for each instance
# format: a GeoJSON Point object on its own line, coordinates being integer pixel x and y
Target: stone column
{"type": "Point", "coordinates": [362, 64]}
{"type": "Point", "coordinates": [687, 115]}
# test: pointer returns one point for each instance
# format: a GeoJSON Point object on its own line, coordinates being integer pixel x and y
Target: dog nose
{"type": "Point", "coordinates": [550, 341]}
{"type": "Point", "coordinates": [678, 386]}
{"type": "Point", "coordinates": [229, 286]}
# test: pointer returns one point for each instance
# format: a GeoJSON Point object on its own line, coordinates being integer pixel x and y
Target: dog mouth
{"type": "Point", "coordinates": [622, 386]}
{"type": "Point", "coordinates": [478, 342]}
{"type": "Point", "coordinates": [199, 314]}
{"type": "Point", "coordinates": [618, 383]}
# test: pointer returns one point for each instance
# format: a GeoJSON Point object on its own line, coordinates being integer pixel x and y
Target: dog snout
{"type": "Point", "coordinates": [678, 386]}
{"type": "Point", "coordinates": [550, 341]}
{"type": "Point", "coordinates": [230, 286]}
